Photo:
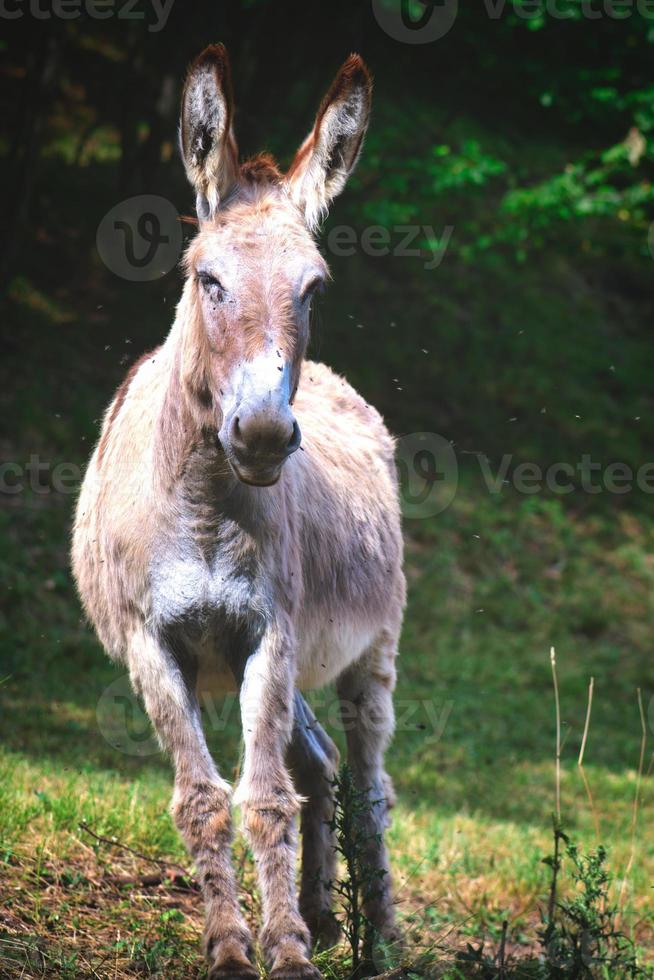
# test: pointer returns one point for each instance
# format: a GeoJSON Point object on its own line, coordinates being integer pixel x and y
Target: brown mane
{"type": "Point", "coordinates": [260, 169]}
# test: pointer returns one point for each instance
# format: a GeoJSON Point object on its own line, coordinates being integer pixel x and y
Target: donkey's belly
{"type": "Point", "coordinates": [326, 649]}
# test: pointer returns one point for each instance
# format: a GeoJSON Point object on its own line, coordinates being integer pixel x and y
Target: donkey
{"type": "Point", "coordinates": [211, 554]}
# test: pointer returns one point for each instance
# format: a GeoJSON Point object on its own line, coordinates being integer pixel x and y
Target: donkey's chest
{"type": "Point", "coordinates": [206, 610]}
{"type": "Point", "coordinates": [193, 590]}
{"type": "Point", "coordinates": [207, 588]}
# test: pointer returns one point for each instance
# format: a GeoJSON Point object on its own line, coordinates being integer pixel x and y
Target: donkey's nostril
{"type": "Point", "coordinates": [264, 434]}
{"type": "Point", "coordinates": [236, 434]}
{"type": "Point", "coordinates": [296, 438]}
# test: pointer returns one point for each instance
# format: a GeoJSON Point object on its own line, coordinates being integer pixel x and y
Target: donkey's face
{"type": "Point", "coordinates": [255, 269]}
{"type": "Point", "coordinates": [254, 265]}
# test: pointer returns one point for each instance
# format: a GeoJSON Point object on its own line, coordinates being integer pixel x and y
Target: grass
{"type": "Point", "coordinates": [493, 583]}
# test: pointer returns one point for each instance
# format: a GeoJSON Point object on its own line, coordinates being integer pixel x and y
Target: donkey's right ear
{"type": "Point", "coordinates": [206, 136]}
{"type": "Point", "coordinates": [329, 154]}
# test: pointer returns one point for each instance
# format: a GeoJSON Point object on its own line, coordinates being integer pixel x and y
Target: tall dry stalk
{"type": "Point", "coordinates": [636, 803]}
{"type": "Point", "coordinates": [580, 760]}
{"type": "Point", "coordinates": [556, 860]}
{"type": "Point", "coordinates": [558, 735]}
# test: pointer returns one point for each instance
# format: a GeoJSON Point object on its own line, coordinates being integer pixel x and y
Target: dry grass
{"type": "Point", "coordinates": [72, 918]}
{"type": "Point", "coordinates": [102, 911]}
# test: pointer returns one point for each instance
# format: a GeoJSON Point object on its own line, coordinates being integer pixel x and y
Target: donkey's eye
{"type": "Point", "coordinates": [316, 285]}
{"type": "Point", "coordinates": [211, 285]}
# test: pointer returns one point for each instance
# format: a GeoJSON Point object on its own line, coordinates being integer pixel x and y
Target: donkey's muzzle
{"type": "Point", "coordinates": [259, 441]}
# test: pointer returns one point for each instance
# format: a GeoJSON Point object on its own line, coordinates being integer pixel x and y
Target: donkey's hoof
{"type": "Point", "coordinates": [394, 935]}
{"type": "Point", "coordinates": [229, 956]}
{"type": "Point", "coordinates": [233, 969]}
{"type": "Point", "coordinates": [287, 969]}
{"type": "Point", "coordinates": [325, 930]}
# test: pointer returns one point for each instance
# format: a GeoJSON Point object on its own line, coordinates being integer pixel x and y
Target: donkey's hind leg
{"type": "Point", "coordinates": [366, 693]}
{"type": "Point", "coordinates": [201, 804]}
{"type": "Point", "coordinates": [313, 760]}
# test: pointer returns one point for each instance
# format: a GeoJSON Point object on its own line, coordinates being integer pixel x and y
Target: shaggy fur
{"type": "Point", "coordinates": [199, 582]}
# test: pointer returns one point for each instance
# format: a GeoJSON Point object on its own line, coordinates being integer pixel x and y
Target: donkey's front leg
{"type": "Point", "coordinates": [201, 804]}
{"type": "Point", "coordinates": [269, 801]}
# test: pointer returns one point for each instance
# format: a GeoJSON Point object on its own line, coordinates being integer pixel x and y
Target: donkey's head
{"type": "Point", "coordinates": [254, 266]}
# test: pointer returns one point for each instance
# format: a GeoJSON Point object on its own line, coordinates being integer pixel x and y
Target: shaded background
{"type": "Point", "coordinates": [530, 138]}
{"type": "Point", "coordinates": [527, 136]}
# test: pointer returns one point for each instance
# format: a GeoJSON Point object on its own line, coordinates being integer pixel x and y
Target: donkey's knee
{"type": "Point", "coordinates": [269, 823]}
{"type": "Point", "coordinates": [202, 814]}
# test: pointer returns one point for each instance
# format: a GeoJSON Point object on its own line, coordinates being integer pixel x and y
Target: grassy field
{"type": "Point", "coordinates": [494, 581]}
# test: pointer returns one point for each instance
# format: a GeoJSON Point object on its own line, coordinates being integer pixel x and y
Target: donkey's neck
{"type": "Point", "coordinates": [185, 414]}
{"type": "Point", "coordinates": [190, 464]}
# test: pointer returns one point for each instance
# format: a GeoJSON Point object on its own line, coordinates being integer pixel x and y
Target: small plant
{"type": "Point", "coordinates": [350, 824]}
{"type": "Point", "coordinates": [581, 939]}
{"type": "Point", "coordinates": [155, 951]}
{"type": "Point", "coordinates": [485, 965]}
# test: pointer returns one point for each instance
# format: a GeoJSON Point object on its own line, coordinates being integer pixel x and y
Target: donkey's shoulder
{"type": "Point", "coordinates": [140, 371]}
{"type": "Point", "coordinates": [327, 394]}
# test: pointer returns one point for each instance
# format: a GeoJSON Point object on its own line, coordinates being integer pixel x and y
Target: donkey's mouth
{"type": "Point", "coordinates": [265, 477]}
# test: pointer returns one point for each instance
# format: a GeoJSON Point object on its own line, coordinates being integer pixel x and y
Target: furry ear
{"type": "Point", "coordinates": [328, 156]}
{"type": "Point", "coordinates": [206, 137]}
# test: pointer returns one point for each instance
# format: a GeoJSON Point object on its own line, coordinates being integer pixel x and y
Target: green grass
{"type": "Point", "coordinates": [494, 582]}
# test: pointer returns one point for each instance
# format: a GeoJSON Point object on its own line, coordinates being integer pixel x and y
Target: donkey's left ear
{"type": "Point", "coordinates": [328, 156]}
{"type": "Point", "coordinates": [206, 136]}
